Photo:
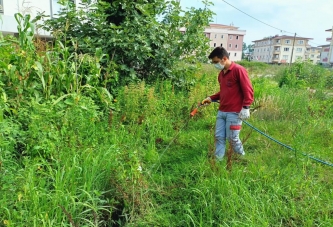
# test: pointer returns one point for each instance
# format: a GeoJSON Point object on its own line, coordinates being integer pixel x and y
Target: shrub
{"type": "Point", "coordinates": [302, 74]}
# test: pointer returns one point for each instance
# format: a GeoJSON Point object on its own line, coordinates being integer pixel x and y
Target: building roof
{"type": "Point", "coordinates": [326, 45]}
{"type": "Point", "coordinates": [221, 29]}
{"type": "Point", "coordinates": [314, 48]}
{"type": "Point", "coordinates": [282, 37]}
{"type": "Point", "coordinates": [230, 27]}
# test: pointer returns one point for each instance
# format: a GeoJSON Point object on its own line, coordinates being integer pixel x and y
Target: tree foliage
{"type": "Point", "coordinates": [142, 37]}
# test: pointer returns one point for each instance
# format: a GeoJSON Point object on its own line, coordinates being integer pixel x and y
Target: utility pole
{"type": "Point", "coordinates": [51, 10]}
{"type": "Point", "coordinates": [292, 50]}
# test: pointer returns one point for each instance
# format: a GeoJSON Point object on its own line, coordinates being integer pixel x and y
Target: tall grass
{"type": "Point", "coordinates": [71, 155]}
{"type": "Point", "coordinates": [144, 168]}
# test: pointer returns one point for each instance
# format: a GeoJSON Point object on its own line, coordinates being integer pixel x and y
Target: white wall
{"type": "Point", "coordinates": [324, 57]}
{"type": "Point", "coordinates": [26, 7]}
{"type": "Point", "coordinates": [32, 7]}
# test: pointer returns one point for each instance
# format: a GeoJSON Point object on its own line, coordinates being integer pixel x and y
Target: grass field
{"type": "Point", "coordinates": [148, 163]}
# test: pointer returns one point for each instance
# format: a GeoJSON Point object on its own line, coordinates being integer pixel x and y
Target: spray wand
{"type": "Point", "coordinates": [198, 106]}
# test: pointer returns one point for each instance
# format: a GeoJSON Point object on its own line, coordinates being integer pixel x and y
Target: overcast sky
{"type": "Point", "coordinates": [306, 18]}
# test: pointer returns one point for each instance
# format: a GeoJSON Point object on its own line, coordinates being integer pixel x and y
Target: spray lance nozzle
{"type": "Point", "coordinates": [198, 106]}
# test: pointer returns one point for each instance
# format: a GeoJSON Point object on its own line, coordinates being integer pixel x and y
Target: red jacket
{"type": "Point", "coordinates": [235, 89]}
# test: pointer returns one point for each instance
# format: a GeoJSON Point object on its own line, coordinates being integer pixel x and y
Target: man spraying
{"type": "Point", "coordinates": [235, 97]}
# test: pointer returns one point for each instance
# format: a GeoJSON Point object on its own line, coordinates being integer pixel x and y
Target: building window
{"type": "Point", "coordinates": [230, 45]}
{"type": "Point", "coordinates": [229, 53]}
{"type": "Point", "coordinates": [285, 57]}
{"type": "Point", "coordinates": [230, 37]}
{"type": "Point", "coordinates": [312, 55]}
{"type": "Point", "coordinates": [299, 49]}
{"type": "Point", "coordinates": [214, 44]}
{"type": "Point", "coordinates": [298, 57]}
{"type": "Point", "coordinates": [221, 36]}
{"type": "Point", "coordinates": [221, 44]}
{"type": "Point", "coordinates": [235, 54]}
{"type": "Point", "coordinates": [277, 41]}
{"type": "Point", "coordinates": [286, 49]}
{"type": "Point", "coordinates": [215, 36]}
{"type": "Point", "coordinates": [300, 41]}
{"type": "Point", "coordinates": [237, 37]}
{"type": "Point", "coordinates": [1, 6]}
{"type": "Point", "coordinates": [236, 46]}
{"type": "Point", "coordinates": [287, 41]}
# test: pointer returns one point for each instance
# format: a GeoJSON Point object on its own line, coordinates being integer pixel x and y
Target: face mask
{"type": "Point", "coordinates": [219, 66]}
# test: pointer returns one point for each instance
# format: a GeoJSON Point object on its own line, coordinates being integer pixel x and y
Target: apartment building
{"type": "Point", "coordinates": [226, 36]}
{"type": "Point", "coordinates": [9, 7]}
{"type": "Point", "coordinates": [329, 59]}
{"type": "Point", "coordinates": [281, 49]}
{"type": "Point", "coordinates": [312, 54]}
{"type": "Point", "coordinates": [324, 53]}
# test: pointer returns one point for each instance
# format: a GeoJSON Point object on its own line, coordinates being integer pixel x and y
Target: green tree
{"type": "Point", "coordinates": [250, 48]}
{"type": "Point", "coordinates": [142, 38]}
{"type": "Point", "coordinates": [244, 50]}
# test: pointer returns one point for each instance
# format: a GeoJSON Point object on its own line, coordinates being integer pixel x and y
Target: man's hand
{"type": "Point", "coordinates": [207, 100]}
{"type": "Point", "coordinates": [244, 114]}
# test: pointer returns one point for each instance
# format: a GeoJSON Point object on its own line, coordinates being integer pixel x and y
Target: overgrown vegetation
{"type": "Point", "coordinates": [72, 154]}
{"type": "Point", "coordinates": [305, 74]}
{"type": "Point", "coordinates": [141, 38]}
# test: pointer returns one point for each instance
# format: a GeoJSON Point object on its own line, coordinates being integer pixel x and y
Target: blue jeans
{"type": "Point", "coordinates": [228, 126]}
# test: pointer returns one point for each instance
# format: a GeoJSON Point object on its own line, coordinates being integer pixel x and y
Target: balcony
{"type": "Point", "coordinates": [328, 39]}
{"type": "Point", "coordinates": [1, 6]}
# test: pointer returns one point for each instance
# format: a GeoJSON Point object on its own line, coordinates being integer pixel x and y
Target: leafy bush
{"type": "Point", "coordinates": [304, 74]}
{"type": "Point", "coordinates": [254, 67]}
{"type": "Point", "coordinates": [142, 39]}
